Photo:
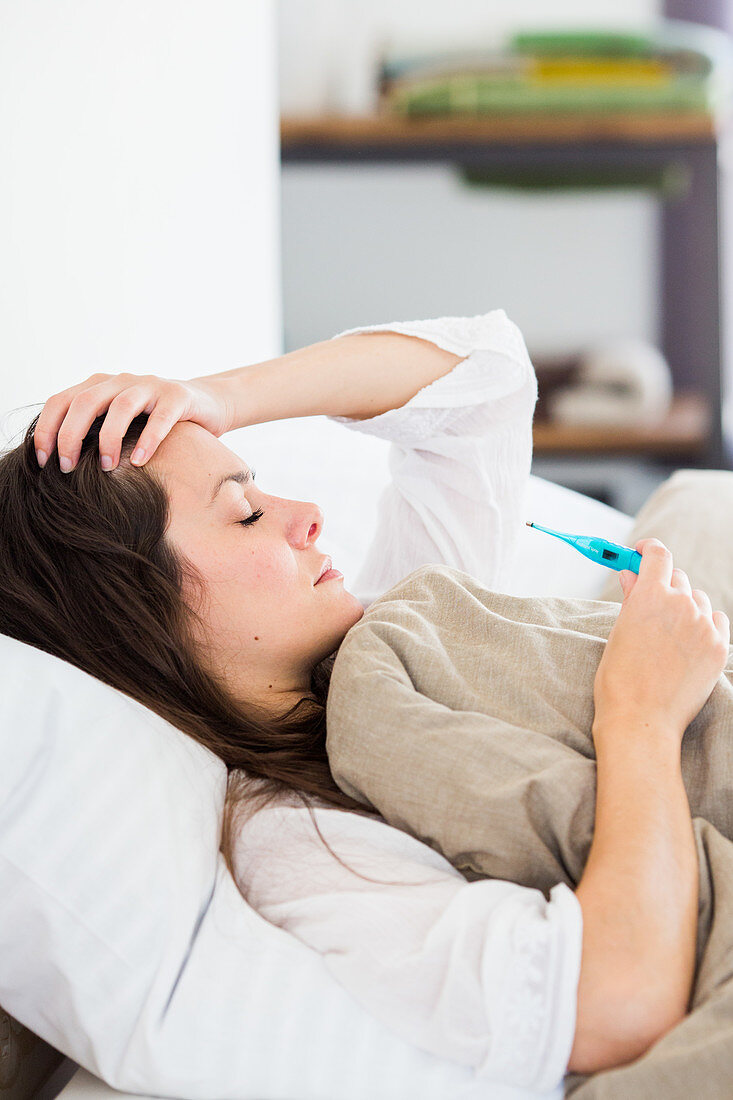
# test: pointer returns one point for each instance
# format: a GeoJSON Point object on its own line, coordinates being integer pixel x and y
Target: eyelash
{"type": "Point", "coordinates": [251, 519]}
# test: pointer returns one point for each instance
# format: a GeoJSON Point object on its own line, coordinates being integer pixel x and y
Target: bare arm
{"type": "Point", "coordinates": [639, 890]}
{"type": "Point", "coordinates": [359, 376]}
{"type": "Point", "coordinates": [639, 895]}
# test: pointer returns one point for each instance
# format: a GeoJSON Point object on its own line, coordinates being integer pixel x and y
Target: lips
{"type": "Point", "coordinates": [326, 565]}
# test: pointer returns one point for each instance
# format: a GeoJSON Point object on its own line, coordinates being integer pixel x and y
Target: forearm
{"type": "Point", "coordinates": [639, 897]}
{"type": "Point", "coordinates": [359, 376]}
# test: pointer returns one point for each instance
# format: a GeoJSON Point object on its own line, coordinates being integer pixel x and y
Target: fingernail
{"type": "Point", "coordinates": [138, 456]}
{"type": "Point", "coordinates": [65, 464]}
{"type": "Point", "coordinates": [42, 458]}
{"type": "Point", "coordinates": [106, 462]}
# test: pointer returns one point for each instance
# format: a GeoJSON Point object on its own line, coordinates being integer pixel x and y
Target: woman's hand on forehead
{"type": "Point", "coordinates": [67, 416]}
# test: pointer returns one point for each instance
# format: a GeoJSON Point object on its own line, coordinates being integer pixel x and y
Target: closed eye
{"type": "Point", "coordinates": [257, 514]}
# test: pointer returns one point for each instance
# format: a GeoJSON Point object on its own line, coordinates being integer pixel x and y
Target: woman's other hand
{"type": "Point", "coordinates": [666, 650]}
{"type": "Point", "coordinates": [67, 416]}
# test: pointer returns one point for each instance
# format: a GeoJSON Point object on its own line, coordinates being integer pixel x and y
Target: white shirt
{"type": "Point", "coordinates": [460, 457]}
{"type": "Point", "coordinates": [486, 972]}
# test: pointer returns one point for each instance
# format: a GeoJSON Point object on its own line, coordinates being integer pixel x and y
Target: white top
{"type": "Point", "coordinates": [482, 972]}
{"type": "Point", "coordinates": [460, 457]}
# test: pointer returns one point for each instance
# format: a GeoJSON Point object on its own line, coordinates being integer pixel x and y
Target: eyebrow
{"type": "Point", "coordinates": [242, 477]}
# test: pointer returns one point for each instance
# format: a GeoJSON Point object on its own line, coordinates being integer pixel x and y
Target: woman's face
{"type": "Point", "coordinates": [267, 622]}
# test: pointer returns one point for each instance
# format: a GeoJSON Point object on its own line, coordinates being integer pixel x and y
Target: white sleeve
{"type": "Point", "coordinates": [460, 457]}
{"type": "Point", "coordinates": [484, 973]}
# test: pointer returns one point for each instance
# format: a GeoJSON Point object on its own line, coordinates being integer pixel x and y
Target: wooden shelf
{"type": "Point", "coordinates": [687, 142]}
{"type": "Point", "coordinates": [684, 432]}
{"type": "Point", "coordinates": [392, 130]}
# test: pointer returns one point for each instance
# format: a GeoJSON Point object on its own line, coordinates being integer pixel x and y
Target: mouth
{"type": "Point", "coordinates": [328, 573]}
{"type": "Point", "coordinates": [325, 566]}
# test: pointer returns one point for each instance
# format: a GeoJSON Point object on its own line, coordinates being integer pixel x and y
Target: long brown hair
{"type": "Point", "coordinates": [87, 574]}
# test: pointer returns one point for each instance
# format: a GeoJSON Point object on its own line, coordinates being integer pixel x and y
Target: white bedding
{"type": "Point", "coordinates": [345, 472]}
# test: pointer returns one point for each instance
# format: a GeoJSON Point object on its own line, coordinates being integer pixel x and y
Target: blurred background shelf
{"type": "Point", "coordinates": [680, 437]}
{"type": "Point", "coordinates": [560, 145]}
{"type": "Point", "coordinates": [303, 137]}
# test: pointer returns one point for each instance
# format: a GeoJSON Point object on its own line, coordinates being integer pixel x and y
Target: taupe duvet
{"type": "Point", "coordinates": [464, 716]}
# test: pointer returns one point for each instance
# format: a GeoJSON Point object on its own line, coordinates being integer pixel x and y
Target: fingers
{"type": "Point", "coordinates": [681, 582]}
{"type": "Point", "coordinates": [52, 417]}
{"type": "Point", "coordinates": [67, 417]}
{"type": "Point", "coordinates": [86, 407]}
{"type": "Point", "coordinates": [656, 564]}
{"type": "Point", "coordinates": [719, 618]}
{"type": "Point", "coordinates": [656, 561]}
{"type": "Point", "coordinates": [163, 402]}
{"type": "Point", "coordinates": [678, 578]}
{"type": "Point", "coordinates": [627, 579]}
{"type": "Point", "coordinates": [702, 600]}
{"type": "Point", "coordinates": [160, 422]}
{"type": "Point", "coordinates": [722, 625]}
{"type": "Point", "coordinates": [122, 411]}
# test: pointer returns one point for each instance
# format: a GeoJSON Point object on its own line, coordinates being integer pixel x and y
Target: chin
{"type": "Point", "coordinates": [346, 623]}
{"type": "Point", "coordinates": [358, 609]}
{"type": "Point", "coordinates": [350, 617]}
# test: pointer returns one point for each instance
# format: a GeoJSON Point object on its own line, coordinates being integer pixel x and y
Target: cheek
{"type": "Point", "coordinates": [242, 561]}
{"type": "Point", "coordinates": [260, 568]}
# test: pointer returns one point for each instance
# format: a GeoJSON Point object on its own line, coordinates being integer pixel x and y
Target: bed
{"type": "Point", "coordinates": [345, 474]}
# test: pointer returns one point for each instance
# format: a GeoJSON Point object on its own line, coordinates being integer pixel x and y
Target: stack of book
{"type": "Point", "coordinates": [673, 66]}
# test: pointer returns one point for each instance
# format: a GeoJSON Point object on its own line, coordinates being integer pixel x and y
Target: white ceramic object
{"type": "Point", "coordinates": [621, 382]}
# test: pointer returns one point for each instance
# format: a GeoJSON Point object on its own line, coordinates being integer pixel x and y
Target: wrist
{"type": "Point", "coordinates": [234, 391]}
{"type": "Point", "coordinates": [653, 734]}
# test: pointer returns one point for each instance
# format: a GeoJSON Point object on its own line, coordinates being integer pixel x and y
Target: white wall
{"type": "Point", "coordinates": [380, 243]}
{"type": "Point", "coordinates": [139, 220]}
{"type": "Point", "coordinates": [373, 244]}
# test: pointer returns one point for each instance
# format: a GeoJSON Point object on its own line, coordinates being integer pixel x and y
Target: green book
{"type": "Point", "coordinates": [699, 61]}
{"type": "Point", "coordinates": [584, 43]}
{"type": "Point", "coordinates": [471, 94]}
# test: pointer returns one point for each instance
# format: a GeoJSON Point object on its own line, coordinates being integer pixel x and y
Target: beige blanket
{"type": "Point", "coordinates": [464, 717]}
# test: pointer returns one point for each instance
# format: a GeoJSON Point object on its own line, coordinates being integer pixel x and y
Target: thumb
{"type": "Point", "coordinates": [627, 579]}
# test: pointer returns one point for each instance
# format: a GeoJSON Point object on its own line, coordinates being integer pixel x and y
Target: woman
{"type": "Point", "coordinates": [214, 615]}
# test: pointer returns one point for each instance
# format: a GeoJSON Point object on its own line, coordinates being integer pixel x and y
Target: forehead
{"type": "Point", "coordinates": [190, 461]}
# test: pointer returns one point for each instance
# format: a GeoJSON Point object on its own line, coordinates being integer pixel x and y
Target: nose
{"type": "Point", "coordinates": [316, 524]}
{"type": "Point", "coordinates": [302, 521]}
{"type": "Point", "coordinates": [306, 523]}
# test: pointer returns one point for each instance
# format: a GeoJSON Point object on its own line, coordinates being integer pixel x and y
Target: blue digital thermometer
{"type": "Point", "coordinates": [604, 552]}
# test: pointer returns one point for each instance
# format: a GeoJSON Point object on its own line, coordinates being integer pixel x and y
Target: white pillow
{"type": "Point", "coordinates": [109, 830]}
{"type": "Point", "coordinates": [124, 941]}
